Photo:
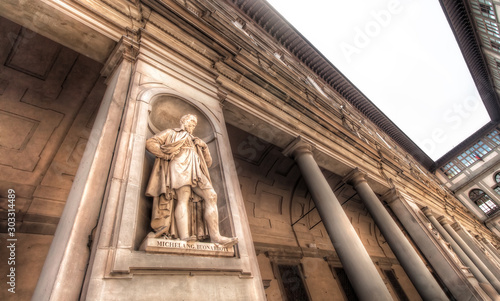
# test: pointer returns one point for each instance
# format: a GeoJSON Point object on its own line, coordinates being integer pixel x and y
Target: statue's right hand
{"type": "Point", "coordinates": [201, 143]}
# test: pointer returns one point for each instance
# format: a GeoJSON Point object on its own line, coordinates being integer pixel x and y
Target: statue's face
{"type": "Point", "coordinates": [189, 126]}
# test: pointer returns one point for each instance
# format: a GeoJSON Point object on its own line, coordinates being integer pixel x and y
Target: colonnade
{"type": "Point", "coordinates": [416, 270]}
{"type": "Point", "coordinates": [358, 265]}
{"type": "Point", "coordinates": [488, 281]}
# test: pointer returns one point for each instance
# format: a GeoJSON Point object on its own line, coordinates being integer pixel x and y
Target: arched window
{"type": "Point", "coordinates": [483, 201]}
{"type": "Point", "coordinates": [497, 181]}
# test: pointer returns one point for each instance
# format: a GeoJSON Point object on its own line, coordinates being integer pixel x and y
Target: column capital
{"type": "Point", "coordinates": [222, 93]}
{"type": "Point", "coordinates": [443, 220]}
{"type": "Point", "coordinates": [297, 148]}
{"type": "Point", "coordinates": [126, 49]}
{"type": "Point", "coordinates": [355, 177]}
{"type": "Point", "coordinates": [457, 227]}
{"type": "Point", "coordinates": [427, 211]}
{"type": "Point", "coordinates": [391, 196]}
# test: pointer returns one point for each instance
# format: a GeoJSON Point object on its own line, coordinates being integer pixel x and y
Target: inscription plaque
{"type": "Point", "coordinates": [177, 246]}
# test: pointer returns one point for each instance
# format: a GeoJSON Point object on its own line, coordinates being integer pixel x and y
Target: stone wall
{"type": "Point", "coordinates": [49, 95]}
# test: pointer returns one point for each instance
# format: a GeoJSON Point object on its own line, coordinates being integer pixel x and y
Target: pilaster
{"type": "Point", "coordinates": [65, 266]}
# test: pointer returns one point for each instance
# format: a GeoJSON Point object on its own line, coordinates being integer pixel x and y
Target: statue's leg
{"type": "Point", "coordinates": [211, 216]}
{"type": "Point", "coordinates": [182, 212]}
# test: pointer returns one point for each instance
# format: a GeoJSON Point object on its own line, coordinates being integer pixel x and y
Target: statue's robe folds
{"type": "Point", "coordinates": [179, 162]}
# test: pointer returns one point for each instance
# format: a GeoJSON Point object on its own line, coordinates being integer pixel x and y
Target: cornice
{"type": "Point", "coordinates": [462, 25]}
{"type": "Point", "coordinates": [286, 35]}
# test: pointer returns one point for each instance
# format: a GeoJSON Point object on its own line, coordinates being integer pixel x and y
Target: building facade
{"type": "Point", "coordinates": [329, 200]}
{"type": "Point", "coordinates": [474, 177]}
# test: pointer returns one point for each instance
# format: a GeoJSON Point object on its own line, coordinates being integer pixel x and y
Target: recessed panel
{"type": "Point", "coordinates": [15, 130]}
{"type": "Point", "coordinates": [33, 54]}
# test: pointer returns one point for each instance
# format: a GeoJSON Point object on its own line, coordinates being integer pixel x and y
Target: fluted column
{"type": "Point", "coordinates": [487, 286]}
{"type": "Point", "coordinates": [460, 253]}
{"type": "Point", "coordinates": [409, 214]}
{"type": "Point", "coordinates": [357, 264]}
{"type": "Point", "coordinates": [479, 264]}
{"type": "Point", "coordinates": [420, 276]}
{"type": "Point", "coordinates": [476, 249]}
{"type": "Point", "coordinates": [490, 248]}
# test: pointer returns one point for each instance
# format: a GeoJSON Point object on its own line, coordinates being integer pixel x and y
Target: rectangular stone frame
{"type": "Point", "coordinates": [125, 257]}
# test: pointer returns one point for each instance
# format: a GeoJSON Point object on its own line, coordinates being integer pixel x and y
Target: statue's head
{"type": "Point", "coordinates": [188, 122]}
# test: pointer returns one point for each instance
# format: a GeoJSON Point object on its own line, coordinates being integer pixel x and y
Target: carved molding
{"type": "Point", "coordinates": [355, 177]}
{"type": "Point", "coordinates": [127, 48]}
{"type": "Point", "coordinates": [298, 147]}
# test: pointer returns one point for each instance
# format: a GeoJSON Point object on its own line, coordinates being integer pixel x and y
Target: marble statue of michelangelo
{"type": "Point", "coordinates": [180, 183]}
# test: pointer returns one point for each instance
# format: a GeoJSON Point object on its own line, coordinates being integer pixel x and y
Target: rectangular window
{"type": "Point", "coordinates": [475, 153]}
{"type": "Point", "coordinates": [450, 170]}
{"type": "Point", "coordinates": [485, 208]}
{"type": "Point", "coordinates": [485, 8]}
{"type": "Point", "coordinates": [494, 137]}
{"type": "Point", "coordinates": [492, 28]}
{"type": "Point", "coordinates": [393, 280]}
{"type": "Point", "coordinates": [495, 45]}
{"type": "Point", "coordinates": [293, 285]}
{"type": "Point", "coordinates": [497, 63]}
{"type": "Point", "coordinates": [485, 39]}
{"type": "Point", "coordinates": [345, 284]}
{"type": "Point", "coordinates": [483, 148]}
{"type": "Point", "coordinates": [480, 24]}
{"type": "Point", "coordinates": [497, 189]}
{"type": "Point", "coordinates": [487, 26]}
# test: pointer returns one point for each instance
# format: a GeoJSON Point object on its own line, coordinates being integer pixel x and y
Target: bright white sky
{"type": "Point", "coordinates": [403, 56]}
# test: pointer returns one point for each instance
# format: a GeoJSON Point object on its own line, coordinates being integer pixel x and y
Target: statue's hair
{"type": "Point", "coordinates": [188, 117]}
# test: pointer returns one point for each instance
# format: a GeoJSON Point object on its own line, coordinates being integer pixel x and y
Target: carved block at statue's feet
{"type": "Point", "coordinates": [177, 246]}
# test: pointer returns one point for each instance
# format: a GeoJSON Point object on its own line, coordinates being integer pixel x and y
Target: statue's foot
{"type": "Point", "coordinates": [189, 239]}
{"type": "Point", "coordinates": [161, 231]}
{"type": "Point", "coordinates": [225, 241]}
